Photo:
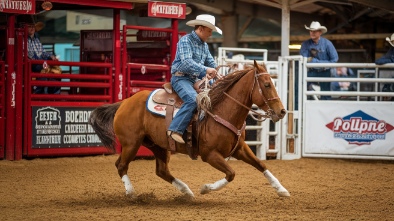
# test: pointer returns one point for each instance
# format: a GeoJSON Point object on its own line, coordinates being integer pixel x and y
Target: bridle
{"type": "Point", "coordinates": [260, 117]}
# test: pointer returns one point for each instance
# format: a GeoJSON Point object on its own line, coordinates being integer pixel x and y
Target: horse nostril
{"type": "Point", "coordinates": [283, 112]}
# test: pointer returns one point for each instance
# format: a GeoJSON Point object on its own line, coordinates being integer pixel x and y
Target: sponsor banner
{"type": "Point", "coordinates": [18, 6]}
{"type": "Point", "coordinates": [167, 10]}
{"type": "Point", "coordinates": [62, 127]}
{"type": "Point", "coordinates": [97, 40]}
{"type": "Point", "coordinates": [147, 35]}
{"type": "Point", "coordinates": [362, 128]}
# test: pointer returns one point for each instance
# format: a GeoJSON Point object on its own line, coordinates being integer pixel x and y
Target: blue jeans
{"type": "Point", "coordinates": [324, 86]}
{"type": "Point", "coordinates": [183, 86]}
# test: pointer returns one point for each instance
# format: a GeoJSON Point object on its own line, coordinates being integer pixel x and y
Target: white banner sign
{"type": "Point", "coordinates": [362, 128]}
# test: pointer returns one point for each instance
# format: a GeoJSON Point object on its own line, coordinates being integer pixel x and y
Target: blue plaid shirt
{"type": "Point", "coordinates": [326, 52]}
{"type": "Point", "coordinates": [192, 56]}
{"type": "Point", "coordinates": [35, 50]}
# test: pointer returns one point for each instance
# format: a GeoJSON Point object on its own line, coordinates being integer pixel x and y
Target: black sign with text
{"type": "Point", "coordinates": [62, 127]}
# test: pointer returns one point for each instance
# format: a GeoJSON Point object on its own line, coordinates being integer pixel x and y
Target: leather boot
{"type": "Point", "coordinates": [175, 136]}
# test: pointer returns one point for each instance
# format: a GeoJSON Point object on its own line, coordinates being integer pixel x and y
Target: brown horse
{"type": "Point", "coordinates": [231, 99]}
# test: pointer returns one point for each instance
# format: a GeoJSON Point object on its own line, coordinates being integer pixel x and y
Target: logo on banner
{"type": "Point", "coordinates": [17, 6]}
{"type": "Point", "coordinates": [167, 10]}
{"type": "Point", "coordinates": [359, 128]}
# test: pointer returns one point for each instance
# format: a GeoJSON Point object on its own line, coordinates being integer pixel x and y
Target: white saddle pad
{"type": "Point", "coordinates": [155, 108]}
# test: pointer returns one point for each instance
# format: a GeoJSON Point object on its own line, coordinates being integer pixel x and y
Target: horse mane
{"type": "Point", "coordinates": [217, 92]}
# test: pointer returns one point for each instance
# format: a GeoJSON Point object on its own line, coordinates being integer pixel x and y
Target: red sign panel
{"type": "Point", "coordinates": [166, 10]}
{"type": "Point", "coordinates": [18, 6]}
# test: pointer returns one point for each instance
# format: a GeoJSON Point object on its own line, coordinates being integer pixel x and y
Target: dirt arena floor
{"type": "Point", "coordinates": [88, 188]}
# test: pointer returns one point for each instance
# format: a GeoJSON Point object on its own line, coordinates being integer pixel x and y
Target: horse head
{"type": "Point", "coordinates": [264, 94]}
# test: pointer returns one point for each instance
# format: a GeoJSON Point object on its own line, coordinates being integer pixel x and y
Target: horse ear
{"type": "Point", "coordinates": [257, 66]}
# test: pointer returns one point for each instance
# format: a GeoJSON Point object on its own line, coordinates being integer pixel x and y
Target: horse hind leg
{"type": "Point", "coordinates": [125, 179]}
{"type": "Point", "coordinates": [129, 151]}
{"type": "Point", "coordinates": [245, 154]}
{"type": "Point", "coordinates": [162, 159]}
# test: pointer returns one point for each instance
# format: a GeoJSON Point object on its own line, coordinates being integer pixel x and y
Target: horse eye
{"type": "Point", "coordinates": [267, 84]}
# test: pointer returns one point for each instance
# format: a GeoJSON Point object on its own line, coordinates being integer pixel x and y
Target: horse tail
{"type": "Point", "coordinates": [102, 119]}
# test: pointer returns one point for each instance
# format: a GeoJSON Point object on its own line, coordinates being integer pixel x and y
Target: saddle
{"type": "Point", "coordinates": [172, 101]}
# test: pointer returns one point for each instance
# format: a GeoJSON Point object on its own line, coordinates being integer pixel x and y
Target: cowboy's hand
{"type": "Point", "coordinates": [211, 73]}
{"type": "Point", "coordinates": [309, 59]}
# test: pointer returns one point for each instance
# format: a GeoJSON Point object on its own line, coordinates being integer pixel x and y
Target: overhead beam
{"type": "Point", "coordinates": [381, 4]}
{"type": "Point", "coordinates": [300, 38]}
{"type": "Point", "coordinates": [245, 26]}
{"type": "Point", "coordinates": [269, 3]}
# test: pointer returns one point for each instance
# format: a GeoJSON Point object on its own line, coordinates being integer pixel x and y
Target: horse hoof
{"type": "Point", "coordinates": [284, 194]}
{"type": "Point", "coordinates": [130, 192]}
{"type": "Point", "coordinates": [205, 189]}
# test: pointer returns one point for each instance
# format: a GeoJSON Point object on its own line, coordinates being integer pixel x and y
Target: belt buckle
{"type": "Point", "coordinates": [179, 74]}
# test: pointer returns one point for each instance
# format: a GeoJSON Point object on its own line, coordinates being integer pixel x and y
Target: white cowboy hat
{"type": "Point", "coordinates": [205, 20]}
{"type": "Point", "coordinates": [391, 40]}
{"type": "Point", "coordinates": [315, 25]}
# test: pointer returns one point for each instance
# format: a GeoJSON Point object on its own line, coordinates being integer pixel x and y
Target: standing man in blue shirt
{"type": "Point", "coordinates": [319, 50]}
{"type": "Point", "coordinates": [389, 56]}
{"type": "Point", "coordinates": [192, 61]}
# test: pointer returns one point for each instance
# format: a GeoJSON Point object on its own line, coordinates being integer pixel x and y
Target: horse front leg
{"type": "Point", "coordinates": [162, 159]}
{"type": "Point", "coordinates": [245, 154]}
{"type": "Point", "coordinates": [216, 160]}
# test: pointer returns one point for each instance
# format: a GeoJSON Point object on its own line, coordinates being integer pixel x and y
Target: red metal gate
{"type": "Point", "coordinates": [57, 124]}
{"type": "Point", "coordinates": [2, 108]}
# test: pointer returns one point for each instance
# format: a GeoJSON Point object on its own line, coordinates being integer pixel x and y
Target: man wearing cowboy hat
{"type": "Point", "coordinates": [385, 59]}
{"type": "Point", "coordinates": [192, 61]}
{"type": "Point", "coordinates": [35, 51]}
{"type": "Point", "coordinates": [389, 56]}
{"type": "Point", "coordinates": [319, 50]}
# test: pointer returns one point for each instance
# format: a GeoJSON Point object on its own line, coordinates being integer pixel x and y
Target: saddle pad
{"type": "Point", "coordinates": [155, 108]}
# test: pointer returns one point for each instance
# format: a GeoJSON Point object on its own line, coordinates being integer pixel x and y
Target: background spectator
{"type": "Point", "coordinates": [319, 50]}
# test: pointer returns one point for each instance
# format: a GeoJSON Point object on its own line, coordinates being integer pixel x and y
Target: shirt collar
{"type": "Point", "coordinates": [34, 36]}
{"type": "Point", "coordinates": [196, 38]}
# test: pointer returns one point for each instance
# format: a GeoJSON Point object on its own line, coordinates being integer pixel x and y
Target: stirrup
{"type": "Point", "coordinates": [175, 136]}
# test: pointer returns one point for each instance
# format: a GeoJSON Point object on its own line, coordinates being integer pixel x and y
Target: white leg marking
{"type": "Point", "coordinates": [280, 190]}
{"type": "Point", "coordinates": [218, 185]}
{"type": "Point", "coordinates": [181, 186]}
{"type": "Point", "coordinates": [127, 185]}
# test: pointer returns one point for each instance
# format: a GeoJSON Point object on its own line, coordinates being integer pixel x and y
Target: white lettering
{"type": "Point", "coordinates": [72, 139]}
{"type": "Point", "coordinates": [75, 128]}
{"type": "Point", "coordinates": [77, 116]}
{"type": "Point", "coordinates": [93, 138]}
{"type": "Point", "coordinates": [51, 139]}
{"type": "Point", "coordinates": [16, 5]}
{"type": "Point", "coordinates": [13, 76]}
{"type": "Point", "coordinates": [359, 125]}
{"type": "Point", "coordinates": [48, 115]}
